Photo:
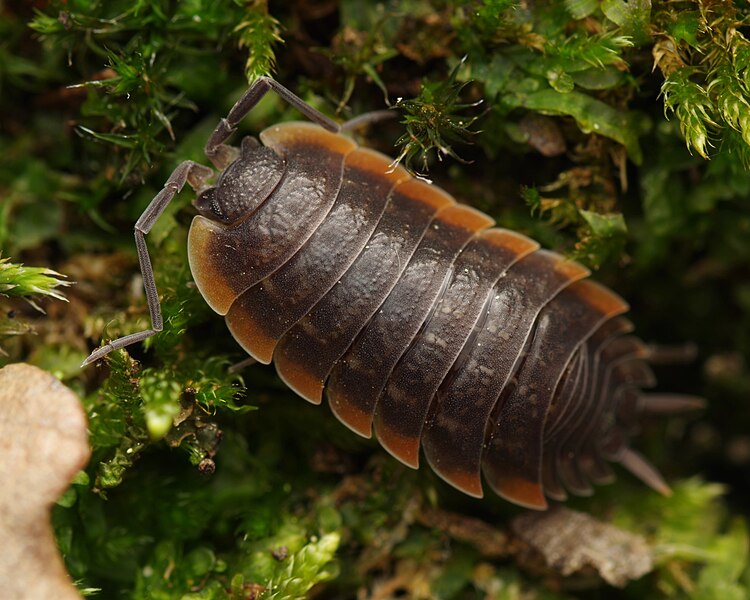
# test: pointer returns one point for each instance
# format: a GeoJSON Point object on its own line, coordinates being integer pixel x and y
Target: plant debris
{"type": "Point", "coordinates": [570, 542]}
{"type": "Point", "coordinates": [43, 444]}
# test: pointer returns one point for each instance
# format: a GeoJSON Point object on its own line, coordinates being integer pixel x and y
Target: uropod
{"type": "Point", "coordinates": [415, 315]}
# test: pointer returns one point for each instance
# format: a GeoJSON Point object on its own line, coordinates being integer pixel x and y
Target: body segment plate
{"type": "Point", "coordinates": [262, 314]}
{"type": "Point", "coordinates": [308, 351]}
{"type": "Point", "coordinates": [358, 378]}
{"type": "Point", "coordinates": [227, 260]}
{"type": "Point", "coordinates": [455, 432]}
{"type": "Point", "coordinates": [401, 410]}
{"type": "Point", "coordinates": [512, 463]}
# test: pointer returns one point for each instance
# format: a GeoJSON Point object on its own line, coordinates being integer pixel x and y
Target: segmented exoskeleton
{"type": "Point", "coordinates": [414, 314]}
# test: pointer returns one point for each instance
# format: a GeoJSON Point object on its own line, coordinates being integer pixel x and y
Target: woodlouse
{"type": "Point", "coordinates": [423, 320]}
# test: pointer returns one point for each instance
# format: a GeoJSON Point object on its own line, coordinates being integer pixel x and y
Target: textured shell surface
{"type": "Point", "coordinates": [422, 321]}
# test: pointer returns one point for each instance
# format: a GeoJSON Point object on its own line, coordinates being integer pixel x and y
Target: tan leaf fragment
{"type": "Point", "coordinates": [43, 444]}
{"type": "Point", "coordinates": [543, 134]}
{"type": "Point", "coordinates": [571, 542]}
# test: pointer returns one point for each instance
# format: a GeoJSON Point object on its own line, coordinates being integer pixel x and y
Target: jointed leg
{"type": "Point", "coordinates": [368, 118]}
{"type": "Point", "coordinates": [187, 171]}
{"type": "Point", "coordinates": [222, 155]}
{"type": "Point", "coordinates": [215, 149]}
{"type": "Point", "coordinates": [237, 367]}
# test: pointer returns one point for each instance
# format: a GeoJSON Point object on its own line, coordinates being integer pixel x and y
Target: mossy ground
{"type": "Point", "coordinates": [640, 172]}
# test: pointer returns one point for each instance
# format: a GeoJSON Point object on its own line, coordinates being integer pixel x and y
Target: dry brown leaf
{"type": "Point", "coordinates": [43, 444]}
{"type": "Point", "coordinates": [572, 542]}
{"type": "Point", "coordinates": [543, 134]}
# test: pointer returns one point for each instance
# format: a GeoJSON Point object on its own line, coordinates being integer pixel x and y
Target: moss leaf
{"type": "Point", "coordinates": [632, 16]}
{"type": "Point", "coordinates": [591, 115]}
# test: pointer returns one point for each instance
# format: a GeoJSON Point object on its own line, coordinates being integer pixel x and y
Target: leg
{"type": "Point", "coordinates": [215, 149]}
{"type": "Point", "coordinates": [368, 119]}
{"type": "Point", "coordinates": [670, 404]}
{"type": "Point", "coordinates": [187, 171]}
{"type": "Point", "coordinates": [236, 367]}
{"type": "Point", "coordinates": [675, 354]}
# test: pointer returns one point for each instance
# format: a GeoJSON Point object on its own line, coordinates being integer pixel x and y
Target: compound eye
{"type": "Point", "coordinates": [207, 205]}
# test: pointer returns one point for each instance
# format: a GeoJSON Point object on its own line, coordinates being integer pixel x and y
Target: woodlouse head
{"type": "Point", "coordinates": [244, 185]}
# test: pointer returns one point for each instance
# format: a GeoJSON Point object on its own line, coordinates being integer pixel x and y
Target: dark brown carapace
{"type": "Point", "coordinates": [412, 313]}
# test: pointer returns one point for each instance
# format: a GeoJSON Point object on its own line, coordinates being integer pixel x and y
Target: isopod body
{"type": "Point", "coordinates": [413, 314]}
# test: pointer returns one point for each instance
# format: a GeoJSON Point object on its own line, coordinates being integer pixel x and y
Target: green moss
{"type": "Point", "coordinates": [132, 102]}
{"type": "Point", "coordinates": [432, 121]}
{"type": "Point", "coordinates": [699, 554]}
{"type": "Point", "coordinates": [30, 284]}
{"type": "Point", "coordinates": [704, 58]}
{"type": "Point", "coordinates": [27, 282]}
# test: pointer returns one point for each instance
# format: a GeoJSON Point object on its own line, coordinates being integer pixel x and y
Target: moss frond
{"type": "Point", "coordinates": [29, 282]}
{"type": "Point", "coordinates": [259, 31]}
{"type": "Point", "coordinates": [704, 59]}
{"type": "Point", "coordinates": [432, 121]}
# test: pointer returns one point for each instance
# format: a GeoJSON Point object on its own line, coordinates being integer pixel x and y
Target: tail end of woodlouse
{"type": "Point", "coordinates": [551, 482]}
{"type": "Point", "coordinates": [644, 470]}
{"type": "Point", "coordinates": [556, 495]}
{"type": "Point", "coordinates": [596, 469]}
{"type": "Point", "coordinates": [570, 474]}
